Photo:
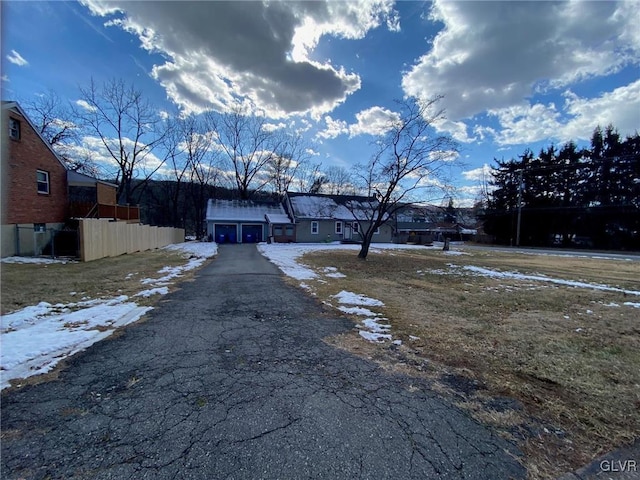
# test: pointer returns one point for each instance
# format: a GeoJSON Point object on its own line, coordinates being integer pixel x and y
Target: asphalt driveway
{"type": "Point", "coordinates": [229, 378]}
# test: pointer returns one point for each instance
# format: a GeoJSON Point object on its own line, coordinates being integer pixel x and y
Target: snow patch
{"type": "Point", "coordinates": [485, 272]}
{"type": "Point", "coordinates": [455, 252]}
{"type": "Point", "coordinates": [350, 298]}
{"type": "Point", "coordinates": [285, 255]}
{"type": "Point", "coordinates": [153, 291]}
{"type": "Point", "coordinates": [35, 345]}
{"type": "Point", "coordinates": [42, 260]}
{"type": "Point", "coordinates": [356, 311]}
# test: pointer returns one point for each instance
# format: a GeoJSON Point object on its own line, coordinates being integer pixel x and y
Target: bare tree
{"type": "Point", "coordinates": [410, 157]}
{"type": "Point", "coordinates": [51, 117]}
{"type": "Point", "coordinates": [54, 121]}
{"type": "Point", "coordinates": [283, 166]}
{"type": "Point", "coordinates": [128, 129]}
{"type": "Point", "coordinates": [248, 147]}
{"type": "Point", "coordinates": [309, 178]}
{"type": "Point", "coordinates": [179, 143]}
{"type": "Point", "coordinates": [338, 181]}
{"type": "Point", "coordinates": [205, 175]}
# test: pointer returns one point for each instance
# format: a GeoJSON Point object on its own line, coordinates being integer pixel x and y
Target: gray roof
{"type": "Point", "coordinates": [76, 179]}
{"type": "Point", "coordinates": [244, 211]}
{"type": "Point", "coordinates": [331, 207]}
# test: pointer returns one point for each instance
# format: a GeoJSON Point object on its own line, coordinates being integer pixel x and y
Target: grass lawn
{"type": "Point", "coordinates": [552, 367]}
{"type": "Point", "coordinates": [28, 284]}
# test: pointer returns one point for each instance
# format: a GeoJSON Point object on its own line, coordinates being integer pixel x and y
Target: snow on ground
{"type": "Point", "coordinates": [356, 310]}
{"type": "Point", "coordinates": [36, 338]}
{"type": "Point", "coordinates": [332, 272]}
{"type": "Point", "coordinates": [285, 255]}
{"type": "Point", "coordinates": [35, 260]}
{"type": "Point", "coordinates": [485, 272]}
{"type": "Point", "coordinates": [455, 252]}
{"type": "Point", "coordinates": [351, 298]}
{"type": "Point", "coordinates": [369, 327]}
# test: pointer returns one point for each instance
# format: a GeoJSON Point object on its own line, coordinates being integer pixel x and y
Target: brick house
{"type": "Point", "coordinates": [34, 185]}
{"type": "Point", "coordinates": [40, 196]}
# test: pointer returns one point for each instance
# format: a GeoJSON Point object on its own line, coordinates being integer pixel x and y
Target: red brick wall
{"type": "Point", "coordinates": [30, 153]}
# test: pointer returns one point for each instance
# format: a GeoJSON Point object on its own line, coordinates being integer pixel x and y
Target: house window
{"type": "Point", "coordinates": [14, 129]}
{"type": "Point", "coordinates": [314, 228]}
{"type": "Point", "coordinates": [356, 227]}
{"type": "Point", "coordinates": [377, 231]}
{"type": "Point", "coordinates": [288, 230]}
{"type": "Point", "coordinates": [39, 227]}
{"type": "Point", "coordinates": [277, 230]}
{"type": "Point", "coordinates": [339, 228]}
{"type": "Point", "coordinates": [42, 179]}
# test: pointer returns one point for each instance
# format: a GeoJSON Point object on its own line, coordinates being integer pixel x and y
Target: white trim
{"type": "Point", "coordinates": [377, 232]}
{"type": "Point", "coordinates": [355, 227]}
{"type": "Point", "coordinates": [338, 227]}
{"type": "Point", "coordinates": [46, 182]}
{"type": "Point", "coordinates": [14, 129]}
{"type": "Point", "coordinates": [316, 224]}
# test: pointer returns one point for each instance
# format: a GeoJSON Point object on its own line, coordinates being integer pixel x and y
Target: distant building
{"type": "Point", "coordinates": [343, 218]}
{"type": "Point", "coordinates": [246, 221]}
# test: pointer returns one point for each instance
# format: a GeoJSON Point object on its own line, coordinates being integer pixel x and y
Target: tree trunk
{"type": "Point", "coordinates": [364, 249]}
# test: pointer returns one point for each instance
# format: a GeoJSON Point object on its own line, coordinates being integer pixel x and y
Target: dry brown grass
{"type": "Point", "coordinates": [552, 367]}
{"type": "Point", "coordinates": [27, 284]}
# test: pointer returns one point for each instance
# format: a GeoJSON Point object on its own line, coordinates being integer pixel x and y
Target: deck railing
{"type": "Point", "coordinates": [101, 210]}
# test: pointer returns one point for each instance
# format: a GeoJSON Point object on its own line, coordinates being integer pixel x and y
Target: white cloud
{"type": "Point", "coordinates": [493, 55]}
{"type": "Point", "coordinates": [575, 120]}
{"type": "Point", "coordinates": [351, 20]}
{"type": "Point", "coordinates": [255, 53]}
{"type": "Point", "coordinates": [17, 59]}
{"type": "Point", "coordinates": [312, 152]}
{"type": "Point", "coordinates": [524, 123]}
{"type": "Point", "coordinates": [5, 78]}
{"type": "Point", "coordinates": [272, 127]}
{"type": "Point", "coordinates": [458, 130]}
{"type": "Point", "coordinates": [334, 128]}
{"type": "Point", "coordinates": [85, 105]}
{"type": "Point", "coordinates": [620, 107]}
{"type": "Point", "coordinates": [373, 121]}
{"type": "Point", "coordinates": [480, 174]}
{"type": "Point", "coordinates": [93, 148]}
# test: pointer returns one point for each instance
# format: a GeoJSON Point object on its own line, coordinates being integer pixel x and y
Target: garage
{"type": "Point", "coordinates": [226, 233]}
{"type": "Point", "coordinates": [242, 221]}
{"type": "Point", "coordinates": [251, 233]}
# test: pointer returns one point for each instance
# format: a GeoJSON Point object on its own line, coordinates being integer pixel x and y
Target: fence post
{"type": "Point", "coordinates": [17, 240]}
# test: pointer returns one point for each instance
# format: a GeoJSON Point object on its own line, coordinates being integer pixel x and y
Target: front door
{"type": "Point", "coordinates": [347, 231]}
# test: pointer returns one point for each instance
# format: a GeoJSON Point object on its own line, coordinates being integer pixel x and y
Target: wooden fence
{"type": "Point", "coordinates": [101, 238]}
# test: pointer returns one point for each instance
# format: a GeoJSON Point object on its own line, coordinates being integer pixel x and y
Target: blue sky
{"type": "Point", "coordinates": [513, 74]}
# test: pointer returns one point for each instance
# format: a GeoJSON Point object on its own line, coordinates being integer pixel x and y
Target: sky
{"type": "Point", "coordinates": [513, 75]}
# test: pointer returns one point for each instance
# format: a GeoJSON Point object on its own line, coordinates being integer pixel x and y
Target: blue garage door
{"type": "Point", "coordinates": [226, 234]}
{"type": "Point", "coordinates": [251, 233]}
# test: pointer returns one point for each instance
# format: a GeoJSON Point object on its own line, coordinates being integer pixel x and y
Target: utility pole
{"type": "Point", "coordinates": [519, 208]}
